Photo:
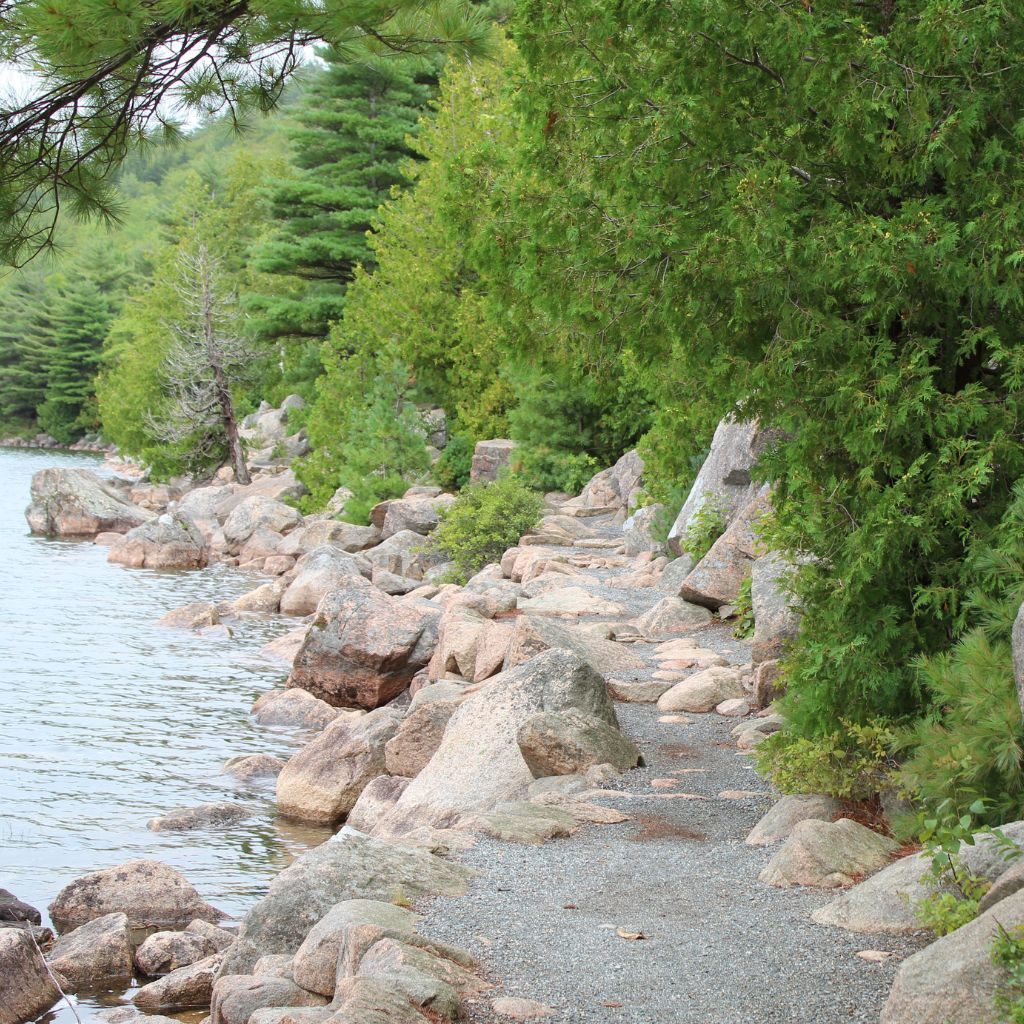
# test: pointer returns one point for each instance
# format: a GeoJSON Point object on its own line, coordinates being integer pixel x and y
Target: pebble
{"type": "Point", "coordinates": [520, 1009]}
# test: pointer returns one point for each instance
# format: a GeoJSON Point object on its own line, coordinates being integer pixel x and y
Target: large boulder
{"type": "Point", "coordinates": [828, 855]}
{"type": "Point", "coordinates": [717, 578]}
{"type": "Point", "coordinates": [776, 622]}
{"type": "Point", "coordinates": [164, 952]}
{"type": "Point", "coordinates": [405, 553]}
{"type": "Point", "coordinates": [376, 800]}
{"type": "Point", "coordinates": [257, 511]}
{"type": "Point", "coordinates": [490, 458]}
{"type": "Point", "coordinates": [784, 816]}
{"type": "Point", "coordinates": [316, 574]}
{"type": "Point", "coordinates": [171, 541]}
{"type": "Point", "coordinates": [640, 528]}
{"type": "Point", "coordinates": [295, 708]}
{"type": "Point", "coordinates": [28, 989]}
{"type": "Point", "coordinates": [954, 980]}
{"type": "Point", "coordinates": [617, 487]}
{"type": "Point", "coordinates": [347, 536]}
{"type": "Point", "coordinates": [534, 634]}
{"type": "Point", "coordinates": [420, 514]}
{"type": "Point", "coordinates": [569, 602]}
{"type": "Point", "coordinates": [322, 782]}
{"type": "Point", "coordinates": [479, 764]}
{"type": "Point", "coordinates": [570, 742]}
{"type": "Point", "coordinates": [703, 691]}
{"type": "Point", "coordinates": [96, 955]}
{"type": "Point", "coordinates": [724, 480]}
{"type": "Point", "coordinates": [422, 730]}
{"type": "Point", "coordinates": [187, 988]}
{"type": "Point", "coordinates": [348, 867]}
{"type": "Point", "coordinates": [460, 631]}
{"type": "Point", "coordinates": [364, 647]}
{"type": "Point", "coordinates": [151, 894]}
{"type": "Point", "coordinates": [369, 1001]}
{"type": "Point", "coordinates": [13, 909]}
{"type": "Point", "coordinates": [316, 963]}
{"type": "Point", "coordinates": [77, 503]}
{"type": "Point", "coordinates": [235, 998]}
{"type": "Point", "coordinates": [672, 616]}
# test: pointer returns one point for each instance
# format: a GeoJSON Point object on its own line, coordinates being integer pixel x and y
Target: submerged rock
{"type": "Point", "coordinates": [213, 815]}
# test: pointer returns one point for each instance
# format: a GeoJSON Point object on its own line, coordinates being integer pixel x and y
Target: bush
{"type": "Point", "coordinates": [484, 521]}
{"type": "Point", "coordinates": [1008, 954]}
{"type": "Point", "coordinates": [743, 608]}
{"type": "Point", "coordinates": [451, 470]}
{"type": "Point", "coordinates": [706, 526]}
{"type": "Point", "coordinates": [547, 469]}
{"type": "Point", "coordinates": [852, 763]}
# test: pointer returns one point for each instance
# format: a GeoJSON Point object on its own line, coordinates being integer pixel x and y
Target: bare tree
{"type": "Point", "coordinates": [208, 357]}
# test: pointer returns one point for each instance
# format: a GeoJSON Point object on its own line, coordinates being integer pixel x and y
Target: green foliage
{"type": "Point", "coordinates": [956, 891]}
{"type": "Point", "coordinates": [484, 521]}
{"type": "Point", "coordinates": [969, 745]}
{"type": "Point", "coordinates": [348, 139]}
{"type": "Point", "coordinates": [452, 469]}
{"type": "Point", "coordinates": [854, 762]}
{"type": "Point", "coordinates": [1008, 954]}
{"type": "Point", "coordinates": [705, 527]}
{"type": "Point", "coordinates": [743, 609]}
{"type": "Point", "coordinates": [372, 439]}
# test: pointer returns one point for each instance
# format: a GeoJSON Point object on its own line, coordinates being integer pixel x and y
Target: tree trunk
{"type": "Point", "coordinates": [227, 411]}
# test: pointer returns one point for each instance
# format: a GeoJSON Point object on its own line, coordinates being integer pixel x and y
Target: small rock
{"type": "Point", "coordinates": [875, 956]}
{"type": "Point", "coordinates": [196, 615]}
{"type": "Point", "coordinates": [520, 1009]}
{"type": "Point", "coordinates": [184, 989]}
{"type": "Point", "coordinates": [96, 955]}
{"type": "Point", "coordinates": [642, 692]}
{"type": "Point", "coordinates": [670, 616]}
{"type": "Point", "coordinates": [296, 708]}
{"type": "Point", "coordinates": [253, 766]}
{"type": "Point", "coordinates": [784, 816]}
{"type": "Point", "coordinates": [164, 952]}
{"type": "Point", "coordinates": [735, 707]}
{"type": "Point", "coordinates": [703, 692]}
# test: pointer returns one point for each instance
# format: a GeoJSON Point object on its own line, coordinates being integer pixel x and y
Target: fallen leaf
{"type": "Point", "coordinates": [612, 1003]}
{"type": "Point", "coordinates": [875, 956]}
{"type": "Point", "coordinates": [664, 783]}
{"type": "Point", "coordinates": [624, 934]}
{"type": "Point", "coordinates": [570, 906]}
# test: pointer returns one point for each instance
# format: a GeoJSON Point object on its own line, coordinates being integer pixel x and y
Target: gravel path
{"type": "Point", "coordinates": [718, 948]}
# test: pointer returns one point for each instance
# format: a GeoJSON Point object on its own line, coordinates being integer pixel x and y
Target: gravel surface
{"type": "Point", "coordinates": [718, 947]}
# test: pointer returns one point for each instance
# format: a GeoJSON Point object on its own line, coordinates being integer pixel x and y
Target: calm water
{"type": "Point", "coordinates": [107, 719]}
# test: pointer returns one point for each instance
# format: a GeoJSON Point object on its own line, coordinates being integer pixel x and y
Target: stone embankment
{"type": "Point", "coordinates": [541, 782]}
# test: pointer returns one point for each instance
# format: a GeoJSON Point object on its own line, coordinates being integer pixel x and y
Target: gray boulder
{"type": "Point", "coordinates": [322, 782]}
{"type": "Point", "coordinates": [422, 729]}
{"type": "Point", "coordinates": [724, 479]}
{"type": "Point", "coordinates": [171, 541]}
{"type": "Point", "coordinates": [954, 980]}
{"type": "Point", "coordinates": [490, 458]}
{"type": "Point", "coordinates": [328, 532]}
{"type": "Point", "coordinates": [672, 616]}
{"type": "Point", "coordinates": [369, 1001]}
{"type": "Point", "coordinates": [13, 909]}
{"type": "Point", "coordinates": [419, 514]}
{"type": "Point", "coordinates": [349, 867]}
{"type": "Point", "coordinates": [316, 574]}
{"type": "Point", "coordinates": [405, 553]}
{"type": "Point", "coordinates": [236, 998]}
{"type": "Point", "coordinates": [293, 707]}
{"type": "Point", "coordinates": [76, 503]}
{"type": "Point", "coordinates": [364, 647]}
{"type": "Point", "coordinates": [257, 511]}
{"type": "Point", "coordinates": [617, 487]}
{"type": "Point", "coordinates": [379, 795]}
{"type": "Point", "coordinates": [828, 855]}
{"type": "Point", "coordinates": [164, 952]}
{"type": "Point", "coordinates": [316, 962]}
{"type": "Point", "coordinates": [717, 578]}
{"type": "Point", "coordinates": [775, 620]}
{"type": "Point", "coordinates": [479, 764]}
{"type": "Point", "coordinates": [28, 989]}
{"type": "Point", "coordinates": [703, 691]}
{"type": "Point", "coordinates": [246, 767]}
{"type": "Point", "coordinates": [151, 894]}
{"type": "Point", "coordinates": [96, 955]}
{"type": "Point", "coordinates": [570, 742]}
{"type": "Point", "coordinates": [187, 988]}
{"type": "Point", "coordinates": [784, 816]}
{"type": "Point", "coordinates": [638, 531]}
{"type": "Point", "coordinates": [534, 634]}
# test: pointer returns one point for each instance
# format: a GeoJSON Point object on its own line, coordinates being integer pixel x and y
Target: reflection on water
{"type": "Point", "coordinates": [107, 719]}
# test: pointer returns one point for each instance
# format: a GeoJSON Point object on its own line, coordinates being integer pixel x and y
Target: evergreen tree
{"type": "Point", "coordinates": [79, 326]}
{"type": "Point", "coordinates": [348, 142]}
{"type": "Point", "coordinates": [25, 350]}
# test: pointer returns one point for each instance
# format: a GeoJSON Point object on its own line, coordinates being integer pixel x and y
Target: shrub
{"type": "Point", "coordinates": [706, 526]}
{"type": "Point", "coordinates": [548, 469]}
{"type": "Point", "coordinates": [853, 763]}
{"type": "Point", "coordinates": [451, 470]}
{"type": "Point", "coordinates": [484, 521]}
{"type": "Point", "coordinates": [1008, 953]}
{"type": "Point", "coordinates": [743, 608]}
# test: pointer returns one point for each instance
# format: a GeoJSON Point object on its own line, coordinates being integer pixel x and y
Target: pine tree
{"type": "Point", "coordinates": [79, 326]}
{"type": "Point", "coordinates": [25, 350]}
{"type": "Point", "coordinates": [349, 146]}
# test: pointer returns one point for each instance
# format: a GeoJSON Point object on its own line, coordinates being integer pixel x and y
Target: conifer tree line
{"type": "Point", "coordinates": [611, 225]}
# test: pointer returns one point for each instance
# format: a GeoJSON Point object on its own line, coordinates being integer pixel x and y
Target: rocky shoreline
{"type": "Point", "coordinates": [583, 689]}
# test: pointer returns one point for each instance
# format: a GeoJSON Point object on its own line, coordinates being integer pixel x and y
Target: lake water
{"type": "Point", "coordinates": [107, 719]}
